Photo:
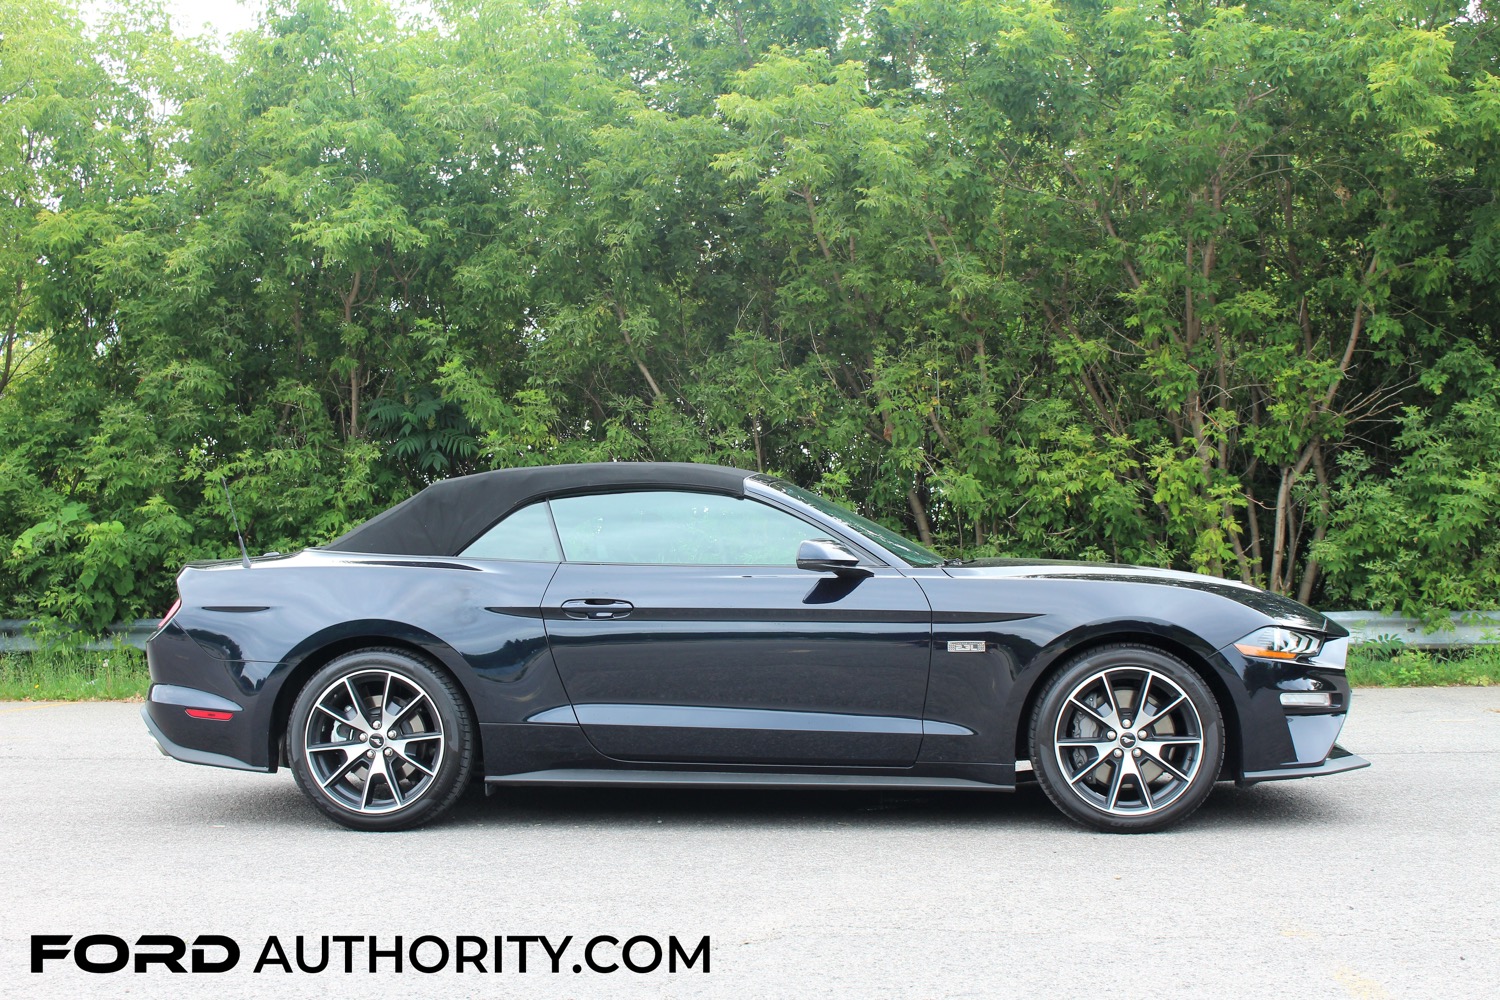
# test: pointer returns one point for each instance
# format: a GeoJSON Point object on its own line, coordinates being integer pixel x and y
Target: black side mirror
{"type": "Point", "coordinates": [824, 555]}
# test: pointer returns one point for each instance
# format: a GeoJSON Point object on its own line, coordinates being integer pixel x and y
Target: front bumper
{"type": "Point", "coordinates": [1339, 760]}
{"type": "Point", "coordinates": [1282, 738]}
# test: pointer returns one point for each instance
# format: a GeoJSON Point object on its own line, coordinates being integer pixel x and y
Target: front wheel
{"type": "Point", "coordinates": [1127, 739]}
{"type": "Point", "coordinates": [379, 740]}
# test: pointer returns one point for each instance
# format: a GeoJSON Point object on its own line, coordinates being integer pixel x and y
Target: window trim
{"type": "Point", "coordinates": [562, 553]}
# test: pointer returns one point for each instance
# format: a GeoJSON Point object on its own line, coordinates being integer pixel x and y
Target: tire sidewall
{"type": "Point", "coordinates": [453, 768]}
{"type": "Point", "coordinates": [1054, 698]}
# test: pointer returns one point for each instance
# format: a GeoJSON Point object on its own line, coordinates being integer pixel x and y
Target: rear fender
{"type": "Point", "coordinates": [312, 653]}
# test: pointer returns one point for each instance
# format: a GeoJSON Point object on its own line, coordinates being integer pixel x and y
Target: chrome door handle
{"type": "Point", "coordinates": [597, 608]}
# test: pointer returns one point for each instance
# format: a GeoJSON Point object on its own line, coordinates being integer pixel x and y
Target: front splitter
{"type": "Point", "coordinates": [1339, 760]}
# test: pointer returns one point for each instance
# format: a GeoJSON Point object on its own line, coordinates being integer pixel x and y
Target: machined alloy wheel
{"type": "Point", "coordinates": [380, 740]}
{"type": "Point", "coordinates": [1127, 738]}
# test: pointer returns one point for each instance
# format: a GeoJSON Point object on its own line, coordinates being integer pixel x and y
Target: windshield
{"type": "Point", "coordinates": [913, 553]}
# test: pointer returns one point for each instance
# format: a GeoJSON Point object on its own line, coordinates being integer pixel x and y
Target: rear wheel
{"type": "Point", "coordinates": [1127, 738]}
{"type": "Point", "coordinates": [379, 740]}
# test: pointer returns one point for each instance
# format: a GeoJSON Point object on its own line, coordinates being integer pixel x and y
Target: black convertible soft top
{"type": "Point", "coordinates": [445, 517]}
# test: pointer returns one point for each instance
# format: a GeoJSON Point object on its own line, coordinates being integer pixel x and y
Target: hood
{"type": "Point", "coordinates": [1282, 610]}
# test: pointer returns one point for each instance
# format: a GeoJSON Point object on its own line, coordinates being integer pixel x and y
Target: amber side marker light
{"type": "Point", "coordinates": [1270, 654]}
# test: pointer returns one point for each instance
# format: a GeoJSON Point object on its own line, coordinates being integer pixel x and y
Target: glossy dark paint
{"type": "Point", "coordinates": [500, 658]}
{"type": "Point", "coordinates": [751, 650]}
{"type": "Point", "coordinates": [727, 670]}
{"type": "Point", "coordinates": [1078, 607]}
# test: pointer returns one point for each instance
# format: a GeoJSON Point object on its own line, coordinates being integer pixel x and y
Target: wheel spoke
{"type": "Point", "coordinates": [1144, 786]}
{"type": "Point", "coordinates": [402, 742]}
{"type": "Point", "coordinates": [385, 698]}
{"type": "Point", "coordinates": [1154, 751]}
{"type": "Point", "coordinates": [1160, 761]}
{"type": "Point", "coordinates": [1114, 785]}
{"type": "Point", "coordinates": [1092, 713]}
{"type": "Point", "coordinates": [1130, 768]}
{"type": "Point", "coordinates": [1140, 699]}
{"type": "Point", "coordinates": [412, 761]}
{"type": "Point", "coordinates": [359, 705]}
{"type": "Point", "coordinates": [1101, 751]}
{"type": "Point", "coordinates": [406, 710]}
{"type": "Point", "coordinates": [355, 724]}
{"type": "Point", "coordinates": [393, 783]}
{"type": "Point", "coordinates": [1109, 693]}
{"type": "Point", "coordinates": [1157, 716]}
{"type": "Point", "coordinates": [1088, 769]}
{"type": "Point", "coordinates": [377, 769]}
{"type": "Point", "coordinates": [345, 745]}
{"type": "Point", "coordinates": [342, 771]}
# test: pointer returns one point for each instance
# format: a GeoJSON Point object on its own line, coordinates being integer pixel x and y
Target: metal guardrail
{"type": "Point", "coordinates": [1470, 628]}
{"type": "Point", "coordinates": [16, 637]}
{"type": "Point", "coordinates": [1473, 628]}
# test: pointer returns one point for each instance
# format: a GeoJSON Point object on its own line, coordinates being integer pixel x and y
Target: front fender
{"type": "Point", "coordinates": [1255, 733]}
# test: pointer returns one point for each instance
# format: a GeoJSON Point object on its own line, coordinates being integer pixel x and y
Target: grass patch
{"type": "Point", "coordinates": [69, 673]}
{"type": "Point", "coordinates": [1380, 665]}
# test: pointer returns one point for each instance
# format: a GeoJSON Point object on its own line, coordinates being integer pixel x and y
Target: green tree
{"type": "Point", "coordinates": [1182, 282]}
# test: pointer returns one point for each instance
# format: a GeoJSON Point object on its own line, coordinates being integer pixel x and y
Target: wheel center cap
{"type": "Point", "coordinates": [377, 741]}
{"type": "Point", "coordinates": [1127, 740]}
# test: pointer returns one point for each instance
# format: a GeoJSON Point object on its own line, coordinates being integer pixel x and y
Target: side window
{"type": "Point", "coordinates": [525, 535]}
{"type": "Point", "coordinates": [673, 528]}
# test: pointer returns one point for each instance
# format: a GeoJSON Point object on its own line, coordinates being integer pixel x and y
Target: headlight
{"type": "Point", "coordinates": [1277, 643]}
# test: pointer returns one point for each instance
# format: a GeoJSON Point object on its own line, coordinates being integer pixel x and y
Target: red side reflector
{"type": "Point", "coordinates": [208, 713]}
{"type": "Point", "coordinates": [176, 606]}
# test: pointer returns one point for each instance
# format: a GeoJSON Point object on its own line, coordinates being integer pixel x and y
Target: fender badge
{"type": "Point", "coordinates": [966, 645]}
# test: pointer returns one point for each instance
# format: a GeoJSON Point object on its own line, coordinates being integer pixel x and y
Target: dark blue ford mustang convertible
{"type": "Point", "coordinates": [691, 625]}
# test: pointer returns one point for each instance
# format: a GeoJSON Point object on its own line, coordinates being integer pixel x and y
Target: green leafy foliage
{"type": "Point", "coordinates": [1422, 538]}
{"type": "Point", "coordinates": [1201, 284]}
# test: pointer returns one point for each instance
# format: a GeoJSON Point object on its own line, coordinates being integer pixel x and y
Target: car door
{"type": "Point", "coordinates": [684, 632]}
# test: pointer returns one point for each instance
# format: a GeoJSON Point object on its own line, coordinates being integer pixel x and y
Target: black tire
{"type": "Point", "coordinates": [366, 769]}
{"type": "Point", "coordinates": [1100, 765]}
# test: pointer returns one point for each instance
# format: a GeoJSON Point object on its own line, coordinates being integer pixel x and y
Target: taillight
{"type": "Point", "coordinates": [176, 606]}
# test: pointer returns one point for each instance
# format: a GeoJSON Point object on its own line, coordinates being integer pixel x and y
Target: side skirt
{"type": "Point", "coordinates": [736, 779]}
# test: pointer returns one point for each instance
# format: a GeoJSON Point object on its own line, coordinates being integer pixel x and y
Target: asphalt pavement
{"type": "Point", "coordinates": [1377, 883]}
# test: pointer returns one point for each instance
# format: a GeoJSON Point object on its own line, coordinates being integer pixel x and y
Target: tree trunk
{"type": "Point", "coordinates": [919, 514]}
